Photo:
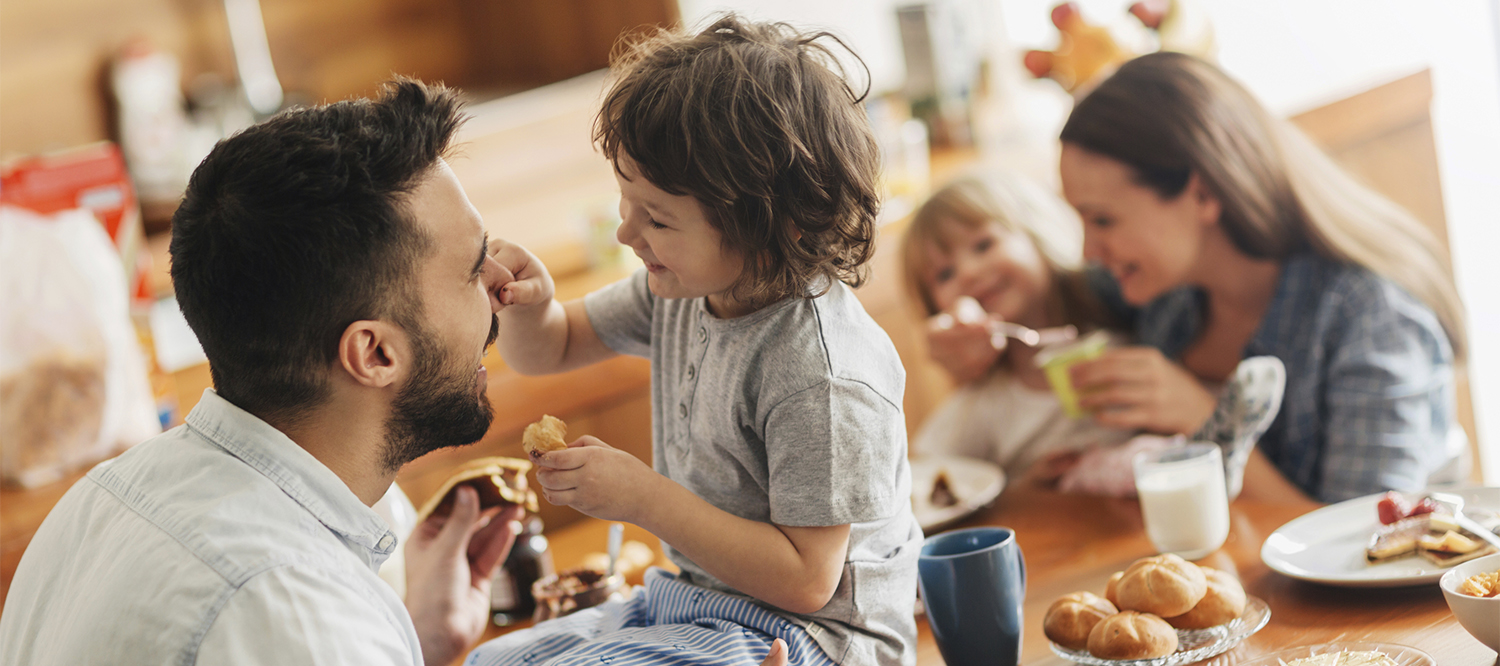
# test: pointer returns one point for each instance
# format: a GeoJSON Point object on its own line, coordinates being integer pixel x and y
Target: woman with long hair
{"type": "Point", "coordinates": [1225, 234]}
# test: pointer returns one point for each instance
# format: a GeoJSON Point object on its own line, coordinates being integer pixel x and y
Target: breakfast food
{"type": "Point", "coordinates": [544, 435]}
{"type": "Point", "coordinates": [1070, 619]}
{"type": "Point", "coordinates": [1393, 506]}
{"type": "Point", "coordinates": [1109, 588]}
{"type": "Point", "coordinates": [1188, 596]}
{"type": "Point", "coordinates": [1164, 585]}
{"type": "Point", "coordinates": [498, 481]}
{"type": "Point", "coordinates": [1223, 601]}
{"type": "Point", "coordinates": [1132, 635]}
{"type": "Point", "coordinates": [1481, 585]}
{"type": "Point", "coordinates": [1370, 658]}
{"type": "Point", "coordinates": [942, 492]}
{"type": "Point", "coordinates": [635, 557]}
{"type": "Point", "coordinates": [574, 590]}
{"type": "Point", "coordinates": [1434, 536]}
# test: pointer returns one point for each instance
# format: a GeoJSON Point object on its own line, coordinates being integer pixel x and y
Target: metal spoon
{"type": "Point", "coordinates": [616, 533]}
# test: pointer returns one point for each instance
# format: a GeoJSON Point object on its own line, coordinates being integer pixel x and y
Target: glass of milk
{"type": "Point", "coordinates": [1182, 499]}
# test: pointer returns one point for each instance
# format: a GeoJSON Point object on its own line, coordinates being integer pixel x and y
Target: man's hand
{"type": "Point", "coordinates": [531, 284]}
{"type": "Point", "coordinates": [449, 563]}
{"type": "Point", "coordinates": [596, 479]}
{"type": "Point", "coordinates": [962, 341]}
{"type": "Point", "coordinates": [1136, 388]}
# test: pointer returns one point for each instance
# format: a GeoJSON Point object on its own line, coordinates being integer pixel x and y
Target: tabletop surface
{"type": "Point", "coordinates": [1073, 543]}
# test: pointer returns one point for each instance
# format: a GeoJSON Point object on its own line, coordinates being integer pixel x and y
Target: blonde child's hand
{"type": "Point", "coordinates": [596, 479]}
{"type": "Point", "coordinates": [1137, 388]}
{"type": "Point", "coordinates": [529, 283]}
{"type": "Point", "coordinates": [962, 340]}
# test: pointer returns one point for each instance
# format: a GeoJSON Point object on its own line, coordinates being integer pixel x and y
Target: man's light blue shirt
{"type": "Point", "coordinates": [219, 542]}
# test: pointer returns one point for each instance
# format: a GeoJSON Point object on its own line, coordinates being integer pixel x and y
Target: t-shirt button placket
{"type": "Point", "coordinates": [702, 334]}
{"type": "Point", "coordinates": [682, 409]}
{"type": "Point", "coordinates": [692, 372]}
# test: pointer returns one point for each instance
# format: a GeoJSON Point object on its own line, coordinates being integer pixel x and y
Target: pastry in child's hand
{"type": "Point", "coordinates": [1164, 585]}
{"type": "Point", "coordinates": [1070, 619]}
{"type": "Point", "coordinates": [544, 435]}
{"type": "Point", "coordinates": [1132, 635]}
{"type": "Point", "coordinates": [1109, 588]}
{"type": "Point", "coordinates": [499, 481]}
{"type": "Point", "coordinates": [1224, 601]}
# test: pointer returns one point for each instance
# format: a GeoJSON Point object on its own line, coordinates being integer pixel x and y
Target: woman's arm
{"type": "Point", "coordinates": [1389, 393]}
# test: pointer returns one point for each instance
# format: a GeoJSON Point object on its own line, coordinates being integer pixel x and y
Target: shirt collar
{"type": "Point", "coordinates": [301, 476]}
{"type": "Point", "coordinates": [1283, 316]}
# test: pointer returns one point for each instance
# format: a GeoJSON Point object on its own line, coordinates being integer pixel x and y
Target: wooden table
{"type": "Point", "coordinates": [1073, 543]}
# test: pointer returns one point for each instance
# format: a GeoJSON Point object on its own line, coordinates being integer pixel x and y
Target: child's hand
{"type": "Point", "coordinates": [962, 341]}
{"type": "Point", "coordinates": [596, 479]}
{"type": "Point", "coordinates": [1136, 388]}
{"type": "Point", "coordinates": [530, 283]}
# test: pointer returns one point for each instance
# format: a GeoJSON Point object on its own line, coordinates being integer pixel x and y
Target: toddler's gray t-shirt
{"type": "Point", "coordinates": [788, 415]}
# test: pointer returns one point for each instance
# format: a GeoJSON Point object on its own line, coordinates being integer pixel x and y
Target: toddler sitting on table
{"type": "Point", "coordinates": [780, 486]}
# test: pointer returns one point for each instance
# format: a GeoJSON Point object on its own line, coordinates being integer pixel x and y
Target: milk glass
{"type": "Point", "coordinates": [1183, 500]}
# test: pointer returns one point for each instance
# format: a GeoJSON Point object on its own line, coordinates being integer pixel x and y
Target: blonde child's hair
{"type": "Point", "coordinates": [1018, 205]}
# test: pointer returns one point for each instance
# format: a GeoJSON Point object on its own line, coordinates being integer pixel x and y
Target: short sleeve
{"type": "Point", "coordinates": [1389, 395]}
{"type": "Point", "coordinates": [837, 455]}
{"type": "Point", "coordinates": [621, 315]}
{"type": "Point", "coordinates": [294, 615]}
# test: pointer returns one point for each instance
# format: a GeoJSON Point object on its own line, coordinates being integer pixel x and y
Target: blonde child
{"type": "Point", "coordinates": [998, 241]}
{"type": "Point", "coordinates": [779, 484]}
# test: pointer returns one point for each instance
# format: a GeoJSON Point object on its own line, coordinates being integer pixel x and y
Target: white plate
{"type": "Point", "coordinates": [975, 483]}
{"type": "Point", "coordinates": [1328, 545]}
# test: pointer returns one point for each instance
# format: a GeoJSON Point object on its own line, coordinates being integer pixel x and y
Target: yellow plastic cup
{"type": "Point", "coordinates": [1055, 361]}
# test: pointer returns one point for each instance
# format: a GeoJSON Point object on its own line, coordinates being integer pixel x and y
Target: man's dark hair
{"type": "Point", "coordinates": [757, 122]}
{"type": "Point", "coordinates": [297, 227]}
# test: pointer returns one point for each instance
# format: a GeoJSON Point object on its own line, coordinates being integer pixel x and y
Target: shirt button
{"type": "Point", "coordinates": [682, 409]}
{"type": "Point", "coordinates": [692, 372]}
{"type": "Point", "coordinates": [702, 335]}
{"type": "Point", "coordinates": [386, 541]}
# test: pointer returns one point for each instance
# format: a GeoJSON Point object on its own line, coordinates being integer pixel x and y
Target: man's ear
{"type": "Point", "coordinates": [374, 353]}
{"type": "Point", "coordinates": [1207, 204]}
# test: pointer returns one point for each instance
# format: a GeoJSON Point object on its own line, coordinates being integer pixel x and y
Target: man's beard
{"type": "Point", "coordinates": [439, 407]}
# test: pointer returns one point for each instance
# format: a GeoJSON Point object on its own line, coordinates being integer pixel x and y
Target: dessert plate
{"type": "Point", "coordinates": [1328, 545]}
{"type": "Point", "coordinates": [973, 483]}
{"type": "Point", "coordinates": [1193, 645]}
{"type": "Point", "coordinates": [1401, 654]}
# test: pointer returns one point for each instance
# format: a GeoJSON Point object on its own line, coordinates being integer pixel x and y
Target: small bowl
{"type": "Point", "coordinates": [570, 591]}
{"type": "Point", "coordinates": [1479, 616]}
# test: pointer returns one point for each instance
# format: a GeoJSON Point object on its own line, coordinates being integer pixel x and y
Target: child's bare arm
{"type": "Point", "coordinates": [538, 334]}
{"type": "Point", "coordinates": [793, 568]}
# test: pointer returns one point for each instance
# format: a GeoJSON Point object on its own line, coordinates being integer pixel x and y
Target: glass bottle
{"type": "Point", "coordinates": [529, 560]}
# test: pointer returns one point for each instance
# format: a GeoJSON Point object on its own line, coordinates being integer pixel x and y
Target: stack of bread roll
{"type": "Point", "coordinates": [1142, 608]}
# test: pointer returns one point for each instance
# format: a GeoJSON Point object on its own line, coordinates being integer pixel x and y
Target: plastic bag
{"type": "Point", "coordinates": [73, 386]}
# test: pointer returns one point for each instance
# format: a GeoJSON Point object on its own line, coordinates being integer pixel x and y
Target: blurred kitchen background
{"type": "Point", "coordinates": [106, 105]}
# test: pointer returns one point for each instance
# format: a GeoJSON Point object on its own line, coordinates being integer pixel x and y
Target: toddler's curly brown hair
{"type": "Point", "coordinates": [758, 122]}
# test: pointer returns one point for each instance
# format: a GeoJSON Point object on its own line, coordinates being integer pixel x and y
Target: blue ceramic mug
{"type": "Point", "coordinates": [973, 584]}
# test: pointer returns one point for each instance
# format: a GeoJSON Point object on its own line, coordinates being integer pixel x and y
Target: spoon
{"type": "Point", "coordinates": [616, 533]}
{"type": "Point", "coordinates": [969, 311]}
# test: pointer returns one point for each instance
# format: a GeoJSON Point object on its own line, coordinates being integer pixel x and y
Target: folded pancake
{"type": "Point", "coordinates": [1396, 540]}
{"type": "Point", "coordinates": [498, 480]}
